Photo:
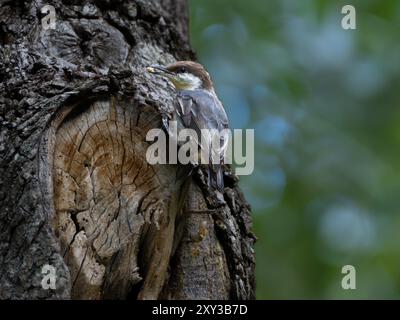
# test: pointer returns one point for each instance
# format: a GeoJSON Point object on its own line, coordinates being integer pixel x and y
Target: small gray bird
{"type": "Point", "coordinates": [199, 108]}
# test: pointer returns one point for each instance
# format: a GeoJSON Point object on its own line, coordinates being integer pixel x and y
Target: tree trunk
{"type": "Point", "coordinates": [76, 191]}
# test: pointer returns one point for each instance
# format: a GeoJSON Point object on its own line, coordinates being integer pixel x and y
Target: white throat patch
{"type": "Point", "coordinates": [188, 81]}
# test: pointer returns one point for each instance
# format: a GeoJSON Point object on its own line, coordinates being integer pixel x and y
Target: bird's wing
{"type": "Point", "coordinates": [198, 110]}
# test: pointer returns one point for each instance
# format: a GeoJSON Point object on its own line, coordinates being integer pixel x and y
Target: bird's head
{"type": "Point", "coordinates": [184, 75]}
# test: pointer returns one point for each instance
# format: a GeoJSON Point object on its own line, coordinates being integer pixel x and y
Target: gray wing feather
{"type": "Point", "coordinates": [205, 109]}
{"type": "Point", "coordinates": [202, 110]}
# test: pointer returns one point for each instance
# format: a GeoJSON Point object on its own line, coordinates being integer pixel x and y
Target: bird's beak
{"type": "Point", "coordinates": [160, 70]}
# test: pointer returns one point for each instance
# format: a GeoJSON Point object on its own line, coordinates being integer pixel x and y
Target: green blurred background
{"type": "Point", "coordinates": [324, 103]}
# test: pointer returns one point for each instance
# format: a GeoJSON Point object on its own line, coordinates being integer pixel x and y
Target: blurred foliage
{"type": "Point", "coordinates": [324, 103]}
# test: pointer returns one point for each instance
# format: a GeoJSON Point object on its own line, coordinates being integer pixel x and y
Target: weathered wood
{"type": "Point", "coordinates": [76, 191]}
{"type": "Point", "coordinates": [200, 269]}
{"type": "Point", "coordinates": [108, 198]}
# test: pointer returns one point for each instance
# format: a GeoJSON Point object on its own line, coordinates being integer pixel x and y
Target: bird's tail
{"type": "Point", "coordinates": [215, 177]}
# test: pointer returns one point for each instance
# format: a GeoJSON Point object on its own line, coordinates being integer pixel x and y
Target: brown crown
{"type": "Point", "coordinates": [194, 68]}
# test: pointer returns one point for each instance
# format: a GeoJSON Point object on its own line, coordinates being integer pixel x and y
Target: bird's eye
{"type": "Point", "coordinates": [182, 70]}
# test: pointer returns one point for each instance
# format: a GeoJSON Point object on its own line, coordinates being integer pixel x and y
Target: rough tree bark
{"type": "Point", "coordinates": [76, 191]}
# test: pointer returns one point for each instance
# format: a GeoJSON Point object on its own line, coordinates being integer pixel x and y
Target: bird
{"type": "Point", "coordinates": [199, 108]}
